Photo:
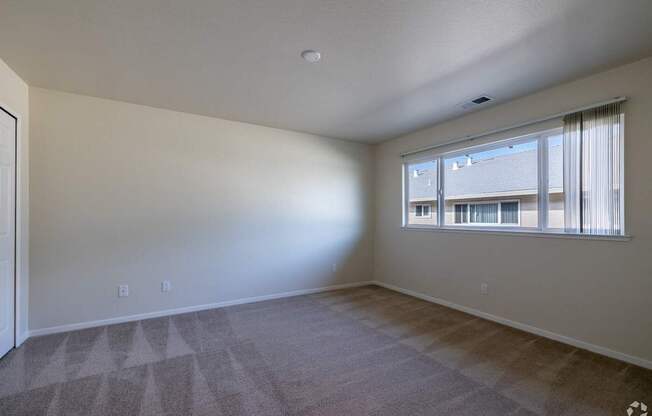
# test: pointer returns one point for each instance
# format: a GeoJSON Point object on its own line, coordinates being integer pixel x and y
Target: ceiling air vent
{"type": "Point", "coordinates": [483, 99]}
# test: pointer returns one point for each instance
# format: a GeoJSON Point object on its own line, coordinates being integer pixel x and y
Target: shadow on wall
{"type": "Point", "coordinates": [438, 100]}
{"type": "Point", "coordinates": [222, 219]}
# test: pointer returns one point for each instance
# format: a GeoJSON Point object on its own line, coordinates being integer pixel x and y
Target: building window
{"type": "Point", "coordinates": [483, 214]}
{"type": "Point", "coordinates": [509, 212]}
{"type": "Point", "coordinates": [422, 211]}
{"type": "Point", "coordinates": [564, 180]}
{"type": "Point", "coordinates": [492, 213]}
{"type": "Point", "coordinates": [461, 213]}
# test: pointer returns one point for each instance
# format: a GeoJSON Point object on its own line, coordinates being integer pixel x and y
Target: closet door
{"type": "Point", "coordinates": [7, 230]}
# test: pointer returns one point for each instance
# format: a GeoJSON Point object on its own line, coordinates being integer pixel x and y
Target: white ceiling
{"type": "Point", "coordinates": [388, 68]}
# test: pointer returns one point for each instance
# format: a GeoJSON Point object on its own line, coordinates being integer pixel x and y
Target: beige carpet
{"type": "Point", "coordinates": [364, 351]}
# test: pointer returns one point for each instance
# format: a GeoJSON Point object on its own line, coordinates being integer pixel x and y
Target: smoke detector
{"type": "Point", "coordinates": [311, 56]}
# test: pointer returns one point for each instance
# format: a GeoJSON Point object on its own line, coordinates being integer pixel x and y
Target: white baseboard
{"type": "Point", "coordinates": [641, 362]}
{"type": "Point", "coordinates": [176, 311]}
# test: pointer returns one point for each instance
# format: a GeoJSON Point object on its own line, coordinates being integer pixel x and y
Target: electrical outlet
{"type": "Point", "coordinates": [484, 288]}
{"type": "Point", "coordinates": [166, 286]}
{"type": "Point", "coordinates": [123, 291]}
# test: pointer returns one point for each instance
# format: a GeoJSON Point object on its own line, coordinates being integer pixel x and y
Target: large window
{"type": "Point", "coordinates": [563, 180]}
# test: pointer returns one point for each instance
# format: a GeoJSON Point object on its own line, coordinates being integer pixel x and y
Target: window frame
{"type": "Point", "coordinates": [406, 193]}
{"type": "Point", "coordinates": [541, 138]}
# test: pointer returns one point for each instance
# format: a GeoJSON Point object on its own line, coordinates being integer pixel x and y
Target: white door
{"type": "Point", "coordinates": [7, 230]}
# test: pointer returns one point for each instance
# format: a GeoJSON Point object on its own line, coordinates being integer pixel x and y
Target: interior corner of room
{"type": "Point", "coordinates": [429, 218]}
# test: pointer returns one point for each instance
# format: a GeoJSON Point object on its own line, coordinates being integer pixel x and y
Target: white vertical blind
{"type": "Point", "coordinates": [572, 171]}
{"type": "Point", "coordinates": [593, 141]}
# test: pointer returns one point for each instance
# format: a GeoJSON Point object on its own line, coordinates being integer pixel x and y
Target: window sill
{"type": "Point", "coordinates": [519, 233]}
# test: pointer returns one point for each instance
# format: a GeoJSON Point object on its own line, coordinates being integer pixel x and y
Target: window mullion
{"type": "Point", "coordinates": [441, 214]}
{"type": "Point", "coordinates": [406, 193]}
{"type": "Point", "coordinates": [542, 169]}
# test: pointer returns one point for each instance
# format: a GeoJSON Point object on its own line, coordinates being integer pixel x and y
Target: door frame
{"type": "Point", "coordinates": [20, 283]}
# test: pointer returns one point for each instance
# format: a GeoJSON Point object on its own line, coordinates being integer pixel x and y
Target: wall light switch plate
{"type": "Point", "coordinates": [123, 291]}
{"type": "Point", "coordinates": [166, 286]}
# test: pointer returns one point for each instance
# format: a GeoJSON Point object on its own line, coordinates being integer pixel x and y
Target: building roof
{"type": "Point", "coordinates": [504, 175]}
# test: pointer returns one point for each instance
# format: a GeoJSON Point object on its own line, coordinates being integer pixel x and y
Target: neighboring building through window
{"type": "Point", "coordinates": [493, 187]}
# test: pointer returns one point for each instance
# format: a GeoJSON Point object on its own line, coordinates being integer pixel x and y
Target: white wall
{"type": "Point", "coordinates": [128, 194]}
{"type": "Point", "coordinates": [593, 291]}
{"type": "Point", "coordinates": [14, 97]}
